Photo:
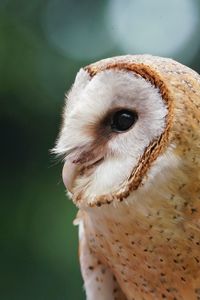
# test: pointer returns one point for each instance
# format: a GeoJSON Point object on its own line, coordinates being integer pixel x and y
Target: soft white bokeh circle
{"type": "Point", "coordinates": [158, 27]}
{"type": "Point", "coordinates": [77, 29]}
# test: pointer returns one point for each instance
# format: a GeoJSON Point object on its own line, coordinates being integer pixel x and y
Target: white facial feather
{"type": "Point", "coordinates": [89, 100]}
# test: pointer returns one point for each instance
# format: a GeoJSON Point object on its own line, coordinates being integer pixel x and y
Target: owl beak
{"type": "Point", "coordinates": [72, 168]}
{"type": "Point", "coordinates": [69, 173]}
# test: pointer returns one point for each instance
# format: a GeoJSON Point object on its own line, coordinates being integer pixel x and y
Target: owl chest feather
{"type": "Point", "coordinates": [154, 252]}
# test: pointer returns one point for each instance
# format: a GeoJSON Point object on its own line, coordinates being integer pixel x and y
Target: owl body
{"type": "Point", "coordinates": [137, 187]}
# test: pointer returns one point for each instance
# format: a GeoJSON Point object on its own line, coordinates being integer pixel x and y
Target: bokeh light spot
{"type": "Point", "coordinates": [157, 27]}
{"type": "Point", "coordinates": [76, 29]}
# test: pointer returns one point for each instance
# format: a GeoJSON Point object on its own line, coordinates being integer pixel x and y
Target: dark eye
{"type": "Point", "coordinates": [123, 119]}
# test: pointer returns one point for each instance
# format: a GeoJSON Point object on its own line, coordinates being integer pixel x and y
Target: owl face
{"type": "Point", "coordinates": [113, 122]}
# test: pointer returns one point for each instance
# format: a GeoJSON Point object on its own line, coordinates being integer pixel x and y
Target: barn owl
{"type": "Point", "coordinates": [130, 140]}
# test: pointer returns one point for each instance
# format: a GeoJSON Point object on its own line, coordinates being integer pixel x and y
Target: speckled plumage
{"type": "Point", "coordinates": [142, 242]}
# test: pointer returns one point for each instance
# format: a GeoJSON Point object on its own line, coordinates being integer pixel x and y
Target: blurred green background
{"type": "Point", "coordinates": [42, 46]}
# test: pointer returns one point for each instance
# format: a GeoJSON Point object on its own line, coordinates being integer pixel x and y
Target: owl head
{"type": "Point", "coordinates": [127, 125]}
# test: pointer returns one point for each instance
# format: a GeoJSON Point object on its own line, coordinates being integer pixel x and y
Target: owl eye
{"type": "Point", "coordinates": [123, 119]}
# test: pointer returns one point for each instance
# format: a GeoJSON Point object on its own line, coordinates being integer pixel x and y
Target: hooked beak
{"type": "Point", "coordinates": [72, 169]}
{"type": "Point", "coordinates": [69, 173]}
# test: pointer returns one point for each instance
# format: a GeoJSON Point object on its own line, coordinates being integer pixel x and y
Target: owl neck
{"type": "Point", "coordinates": [166, 201]}
{"type": "Point", "coordinates": [170, 193]}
